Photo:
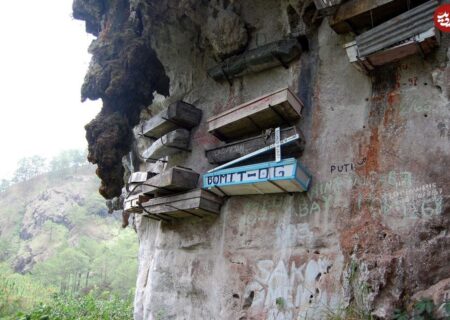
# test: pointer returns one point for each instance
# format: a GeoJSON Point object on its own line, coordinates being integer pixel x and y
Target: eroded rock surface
{"type": "Point", "coordinates": [372, 231]}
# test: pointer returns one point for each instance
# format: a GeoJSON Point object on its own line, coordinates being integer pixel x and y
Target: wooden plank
{"type": "Point", "coordinates": [169, 144]}
{"type": "Point", "coordinates": [197, 193]}
{"type": "Point", "coordinates": [189, 204]}
{"type": "Point", "coordinates": [270, 177]}
{"type": "Point", "coordinates": [272, 110]}
{"type": "Point", "coordinates": [172, 180]}
{"type": "Point", "coordinates": [234, 150]}
{"type": "Point", "coordinates": [177, 115]}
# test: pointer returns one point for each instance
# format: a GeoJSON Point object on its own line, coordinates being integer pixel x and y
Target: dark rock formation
{"type": "Point", "coordinates": [124, 73]}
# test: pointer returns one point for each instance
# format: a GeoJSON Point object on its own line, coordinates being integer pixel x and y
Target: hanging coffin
{"type": "Point", "coordinates": [139, 177]}
{"type": "Point", "coordinates": [177, 115]}
{"type": "Point", "coordinates": [327, 7]}
{"type": "Point", "coordinates": [278, 53]}
{"type": "Point", "coordinates": [132, 203]}
{"type": "Point", "coordinates": [273, 110]}
{"type": "Point", "coordinates": [243, 147]}
{"type": "Point", "coordinates": [196, 203]}
{"type": "Point", "coordinates": [172, 180]}
{"type": "Point", "coordinates": [269, 177]}
{"type": "Point", "coordinates": [135, 181]}
{"type": "Point", "coordinates": [407, 34]}
{"type": "Point", "coordinates": [167, 145]}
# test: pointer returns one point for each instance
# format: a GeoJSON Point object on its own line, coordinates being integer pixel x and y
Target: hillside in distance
{"type": "Point", "coordinates": [56, 229]}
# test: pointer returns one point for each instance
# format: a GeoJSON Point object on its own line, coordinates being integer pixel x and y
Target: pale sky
{"type": "Point", "coordinates": [43, 60]}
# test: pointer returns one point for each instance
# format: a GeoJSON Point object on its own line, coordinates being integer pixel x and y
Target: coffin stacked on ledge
{"type": "Point", "coordinates": [133, 192]}
{"type": "Point", "coordinates": [169, 132]}
{"type": "Point", "coordinates": [280, 108]}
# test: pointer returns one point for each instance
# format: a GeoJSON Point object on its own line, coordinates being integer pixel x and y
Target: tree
{"type": "Point", "coordinates": [4, 185]}
{"type": "Point", "coordinates": [29, 167]}
{"type": "Point", "coordinates": [68, 159]}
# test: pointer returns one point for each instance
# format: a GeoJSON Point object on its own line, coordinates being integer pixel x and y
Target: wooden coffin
{"type": "Point", "coordinates": [269, 177]}
{"type": "Point", "coordinates": [196, 203]}
{"type": "Point", "coordinates": [278, 53]}
{"type": "Point", "coordinates": [422, 43]}
{"type": "Point", "coordinates": [139, 177]}
{"type": "Point", "coordinates": [243, 147]}
{"type": "Point", "coordinates": [177, 115]}
{"type": "Point", "coordinates": [359, 15]}
{"type": "Point", "coordinates": [327, 7]}
{"type": "Point", "coordinates": [273, 110]}
{"type": "Point", "coordinates": [132, 203]}
{"type": "Point", "coordinates": [169, 144]}
{"type": "Point", "coordinates": [170, 181]}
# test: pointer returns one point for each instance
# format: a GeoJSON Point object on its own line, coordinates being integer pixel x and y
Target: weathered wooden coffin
{"type": "Point", "coordinates": [139, 177]}
{"type": "Point", "coordinates": [358, 15]}
{"type": "Point", "coordinates": [271, 55]}
{"type": "Point", "coordinates": [197, 203]}
{"type": "Point", "coordinates": [273, 110]}
{"type": "Point", "coordinates": [409, 33]}
{"type": "Point", "coordinates": [422, 43]}
{"type": "Point", "coordinates": [177, 115]}
{"type": "Point", "coordinates": [132, 203]}
{"type": "Point", "coordinates": [243, 147]}
{"type": "Point", "coordinates": [269, 177]}
{"type": "Point", "coordinates": [169, 144]}
{"type": "Point", "coordinates": [327, 7]}
{"type": "Point", "coordinates": [172, 180]}
{"type": "Point", "coordinates": [397, 30]}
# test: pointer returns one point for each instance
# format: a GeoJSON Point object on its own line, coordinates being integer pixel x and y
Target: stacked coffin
{"type": "Point", "coordinates": [249, 137]}
{"type": "Point", "coordinates": [170, 193]}
{"type": "Point", "coordinates": [134, 196]}
{"type": "Point", "coordinates": [170, 130]}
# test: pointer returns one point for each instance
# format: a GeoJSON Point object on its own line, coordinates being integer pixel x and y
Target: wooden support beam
{"type": "Point", "coordinates": [169, 144]}
{"type": "Point", "coordinates": [189, 204]}
{"type": "Point", "coordinates": [269, 111]}
{"type": "Point", "coordinates": [177, 115]}
{"type": "Point", "coordinates": [175, 179]}
{"type": "Point", "coordinates": [234, 150]}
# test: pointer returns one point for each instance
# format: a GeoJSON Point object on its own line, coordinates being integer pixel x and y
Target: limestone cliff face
{"type": "Point", "coordinates": [373, 229]}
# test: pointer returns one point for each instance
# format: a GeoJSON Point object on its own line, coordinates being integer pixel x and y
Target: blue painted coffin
{"type": "Point", "coordinates": [269, 177]}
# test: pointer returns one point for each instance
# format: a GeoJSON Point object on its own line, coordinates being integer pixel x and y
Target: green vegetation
{"type": "Point", "coordinates": [62, 256]}
{"type": "Point", "coordinates": [30, 167]}
{"type": "Point", "coordinates": [423, 309]}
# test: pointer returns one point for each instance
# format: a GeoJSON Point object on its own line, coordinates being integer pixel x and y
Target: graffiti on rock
{"type": "Point", "coordinates": [420, 202]}
{"type": "Point", "coordinates": [374, 180]}
{"type": "Point", "coordinates": [347, 167]}
{"type": "Point", "coordinates": [284, 292]}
